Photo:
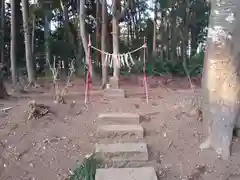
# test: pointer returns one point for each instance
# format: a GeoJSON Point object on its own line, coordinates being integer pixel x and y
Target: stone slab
{"type": "Point", "coordinates": [118, 118]}
{"type": "Point", "coordinates": [143, 173]}
{"type": "Point", "coordinates": [122, 152]}
{"type": "Point", "coordinates": [114, 93]}
{"type": "Point", "coordinates": [114, 82]}
{"type": "Point", "coordinates": [112, 131]}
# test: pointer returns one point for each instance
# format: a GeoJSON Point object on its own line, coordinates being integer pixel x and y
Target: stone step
{"type": "Point", "coordinates": [114, 93]}
{"type": "Point", "coordinates": [144, 173]}
{"type": "Point", "coordinates": [124, 131]}
{"type": "Point", "coordinates": [118, 118]}
{"type": "Point", "coordinates": [122, 152]}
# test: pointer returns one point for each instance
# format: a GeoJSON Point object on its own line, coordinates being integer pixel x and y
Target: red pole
{"type": "Point", "coordinates": [89, 65]}
{"type": "Point", "coordinates": [144, 70]}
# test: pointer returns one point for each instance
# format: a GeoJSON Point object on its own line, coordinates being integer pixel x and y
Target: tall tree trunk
{"type": "Point", "coordinates": [14, 34]}
{"type": "Point", "coordinates": [98, 19]}
{"type": "Point", "coordinates": [84, 34]}
{"type": "Point", "coordinates": [104, 44]}
{"type": "Point", "coordinates": [154, 29]}
{"type": "Point", "coordinates": [46, 39]}
{"type": "Point", "coordinates": [67, 32]}
{"type": "Point", "coordinates": [220, 78]}
{"type": "Point", "coordinates": [33, 41]}
{"type": "Point", "coordinates": [27, 38]}
{"type": "Point", "coordinates": [2, 22]}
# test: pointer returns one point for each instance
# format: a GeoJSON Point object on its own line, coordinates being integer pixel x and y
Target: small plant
{"type": "Point", "coordinates": [59, 95]}
{"type": "Point", "coordinates": [87, 169]}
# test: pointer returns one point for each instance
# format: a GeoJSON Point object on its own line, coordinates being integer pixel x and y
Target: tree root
{"type": "Point", "coordinates": [60, 99]}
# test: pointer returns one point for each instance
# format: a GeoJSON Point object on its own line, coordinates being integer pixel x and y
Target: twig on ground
{"type": "Point", "coordinates": [169, 145]}
{"type": "Point", "coordinates": [5, 109]}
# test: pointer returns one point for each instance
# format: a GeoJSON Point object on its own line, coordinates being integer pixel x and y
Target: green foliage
{"type": "Point", "coordinates": [156, 66]}
{"type": "Point", "coordinates": [138, 25]}
{"type": "Point", "coordinates": [86, 170]}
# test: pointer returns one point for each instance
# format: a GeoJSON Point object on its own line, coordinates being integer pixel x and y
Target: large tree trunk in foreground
{"type": "Point", "coordinates": [27, 38]}
{"type": "Point", "coordinates": [221, 79]}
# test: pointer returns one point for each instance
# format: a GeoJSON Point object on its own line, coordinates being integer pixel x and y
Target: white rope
{"type": "Point", "coordinates": [124, 59]}
{"type": "Point", "coordinates": [133, 51]}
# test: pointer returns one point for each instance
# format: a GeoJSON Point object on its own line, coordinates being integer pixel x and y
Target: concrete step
{"type": "Point", "coordinates": [122, 152]}
{"type": "Point", "coordinates": [111, 93]}
{"type": "Point", "coordinates": [124, 131]}
{"type": "Point", "coordinates": [144, 173]}
{"type": "Point", "coordinates": [118, 118]}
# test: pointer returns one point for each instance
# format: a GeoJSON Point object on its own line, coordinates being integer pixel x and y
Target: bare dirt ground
{"type": "Point", "coordinates": [46, 149]}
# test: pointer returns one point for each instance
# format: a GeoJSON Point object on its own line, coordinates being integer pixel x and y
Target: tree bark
{"type": "Point", "coordinates": [14, 4]}
{"type": "Point", "coordinates": [154, 30]}
{"type": "Point", "coordinates": [46, 38]}
{"type": "Point", "coordinates": [27, 38]}
{"type": "Point", "coordinates": [3, 92]}
{"type": "Point", "coordinates": [104, 44]}
{"type": "Point", "coordinates": [2, 22]}
{"type": "Point", "coordinates": [83, 33]}
{"type": "Point", "coordinates": [33, 41]}
{"type": "Point", "coordinates": [220, 78]}
{"type": "Point", "coordinates": [67, 32]}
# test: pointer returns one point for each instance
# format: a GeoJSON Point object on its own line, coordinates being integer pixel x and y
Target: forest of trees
{"type": "Point", "coordinates": [38, 31]}
{"type": "Point", "coordinates": [36, 34]}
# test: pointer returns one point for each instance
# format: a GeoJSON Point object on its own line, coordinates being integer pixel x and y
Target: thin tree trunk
{"type": "Point", "coordinates": [33, 41]}
{"type": "Point", "coordinates": [221, 79]}
{"type": "Point", "coordinates": [14, 41]}
{"type": "Point", "coordinates": [67, 32]}
{"type": "Point", "coordinates": [154, 30]}
{"type": "Point", "coordinates": [84, 34]}
{"type": "Point", "coordinates": [27, 38]}
{"type": "Point", "coordinates": [104, 44]}
{"type": "Point", "coordinates": [98, 29]}
{"type": "Point", "coordinates": [46, 39]}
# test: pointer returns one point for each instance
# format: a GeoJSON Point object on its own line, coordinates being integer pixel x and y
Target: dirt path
{"type": "Point", "coordinates": [48, 148]}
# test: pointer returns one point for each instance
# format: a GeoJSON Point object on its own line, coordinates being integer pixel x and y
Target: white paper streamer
{"type": "Point", "coordinates": [131, 59]}
{"type": "Point", "coordinates": [110, 61]}
{"type": "Point", "coordinates": [126, 60]}
{"type": "Point", "coordinates": [122, 60]}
